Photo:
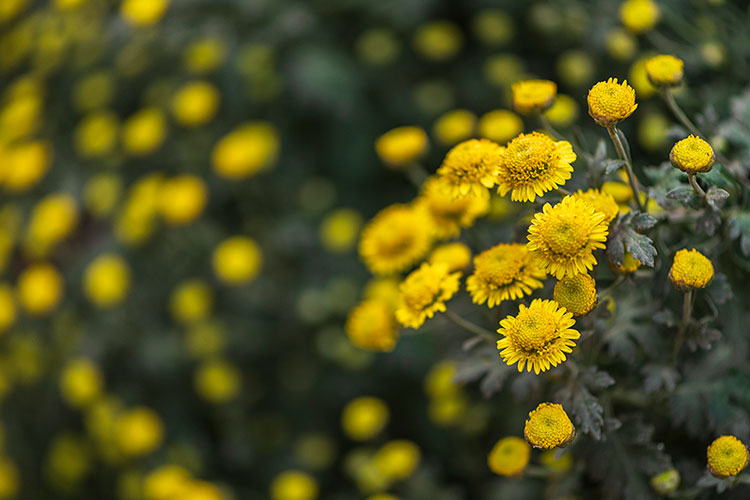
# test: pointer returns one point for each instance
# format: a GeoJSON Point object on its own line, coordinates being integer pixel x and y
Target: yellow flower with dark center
{"type": "Point", "coordinates": [424, 292]}
{"type": "Point", "coordinates": [372, 325]}
{"type": "Point", "coordinates": [454, 126]}
{"type": "Point", "coordinates": [534, 164]}
{"type": "Point", "coordinates": [690, 269]}
{"type": "Point", "coordinates": [471, 167]}
{"type": "Point", "coordinates": [576, 294]}
{"type": "Point", "coordinates": [294, 485]}
{"type": "Point", "coordinates": [509, 456]}
{"type": "Point", "coordinates": [610, 102]}
{"type": "Point", "coordinates": [533, 96]}
{"type": "Point", "coordinates": [564, 237]}
{"type": "Point", "coordinates": [395, 239]}
{"type": "Point", "coordinates": [601, 201]}
{"type": "Point", "coordinates": [538, 336]}
{"type": "Point", "coordinates": [397, 460]}
{"type": "Point", "coordinates": [506, 271]}
{"type": "Point", "coordinates": [664, 70]}
{"type": "Point", "coordinates": [449, 214]}
{"type": "Point", "coordinates": [727, 456]}
{"type": "Point", "coordinates": [364, 417]}
{"type": "Point", "coordinates": [629, 265]}
{"type": "Point", "coordinates": [548, 427]}
{"type": "Point", "coordinates": [639, 16]}
{"type": "Point", "coordinates": [500, 125]}
{"type": "Point", "coordinates": [401, 146]}
{"type": "Point", "coordinates": [454, 256]}
{"type": "Point", "coordinates": [692, 155]}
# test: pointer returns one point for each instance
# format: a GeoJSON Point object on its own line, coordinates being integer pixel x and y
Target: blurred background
{"type": "Point", "coordinates": [183, 185]}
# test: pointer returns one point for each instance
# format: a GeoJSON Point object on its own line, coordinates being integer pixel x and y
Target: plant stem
{"type": "Point", "coordinates": [416, 174]}
{"type": "Point", "coordinates": [470, 327]}
{"type": "Point", "coordinates": [612, 129]}
{"type": "Point", "coordinates": [563, 191]}
{"type": "Point", "coordinates": [687, 306]}
{"type": "Point", "coordinates": [549, 128]}
{"type": "Point", "coordinates": [679, 114]}
{"type": "Point", "coordinates": [699, 191]}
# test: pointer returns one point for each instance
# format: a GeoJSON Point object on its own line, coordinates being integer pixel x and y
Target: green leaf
{"type": "Point", "coordinates": [739, 227]}
{"type": "Point", "coordinates": [685, 195]}
{"type": "Point", "coordinates": [640, 246]}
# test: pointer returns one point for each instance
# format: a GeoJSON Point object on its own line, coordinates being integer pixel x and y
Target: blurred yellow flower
{"type": "Point", "coordinates": [377, 46]}
{"type": "Point", "coordinates": [237, 260]}
{"type": "Point", "coordinates": [438, 40]}
{"type": "Point", "coordinates": [182, 199]}
{"type": "Point", "coordinates": [384, 289]}
{"type": "Point", "coordinates": [509, 456]}
{"type": "Point", "coordinates": [639, 79]}
{"type": "Point", "coordinates": [144, 132]}
{"type": "Point", "coordinates": [191, 301]}
{"type": "Point", "coordinates": [205, 339]}
{"type": "Point", "coordinates": [454, 126]}
{"type": "Point", "coordinates": [503, 69]}
{"type": "Point", "coordinates": [96, 135]}
{"type": "Point", "coordinates": [500, 125]}
{"type": "Point", "coordinates": [364, 417]}
{"type": "Point", "coordinates": [93, 90]}
{"type": "Point", "coordinates": [143, 12]}
{"type": "Point", "coordinates": [11, 8]}
{"type": "Point", "coordinates": [9, 479]}
{"type": "Point", "coordinates": [69, 4]}
{"type": "Point", "coordinates": [21, 116]}
{"type": "Point", "coordinates": [217, 381]}
{"type": "Point", "coordinates": [137, 218]}
{"type": "Point", "coordinates": [398, 459]}
{"type": "Point", "coordinates": [7, 307]}
{"type": "Point", "coordinates": [22, 165]}
{"type": "Point", "coordinates": [447, 213]}
{"type": "Point", "coordinates": [401, 146]}
{"type": "Point", "coordinates": [166, 482]}
{"type": "Point", "coordinates": [53, 218]}
{"type": "Point", "coordinates": [382, 496]}
{"type": "Point", "coordinates": [248, 149]}
{"type": "Point", "coordinates": [294, 485]}
{"type": "Point", "coordinates": [621, 44]}
{"type": "Point", "coordinates": [439, 381]}
{"type": "Point", "coordinates": [204, 55]}
{"type": "Point", "coordinates": [339, 230]}
{"type": "Point", "coordinates": [68, 461]}
{"type": "Point", "coordinates": [563, 111]}
{"type": "Point", "coordinates": [138, 431]}
{"type": "Point", "coordinates": [101, 193]}
{"type": "Point", "coordinates": [81, 382]}
{"type": "Point", "coordinates": [493, 27]}
{"type": "Point", "coordinates": [424, 292]}
{"type": "Point", "coordinates": [202, 490]}
{"type": "Point", "coordinates": [195, 103]}
{"type": "Point", "coordinates": [40, 288]}
{"type": "Point", "coordinates": [455, 256]}
{"type": "Point", "coordinates": [533, 96]}
{"type": "Point", "coordinates": [639, 16]}
{"type": "Point", "coordinates": [575, 68]}
{"type": "Point", "coordinates": [371, 325]}
{"type": "Point", "coordinates": [652, 131]}
{"type": "Point", "coordinates": [106, 280]}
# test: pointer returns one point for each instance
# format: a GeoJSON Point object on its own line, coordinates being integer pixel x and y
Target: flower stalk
{"type": "Point", "coordinates": [687, 307]}
{"type": "Point", "coordinates": [470, 327]}
{"type": "Point", "coordinates": [612, 129]}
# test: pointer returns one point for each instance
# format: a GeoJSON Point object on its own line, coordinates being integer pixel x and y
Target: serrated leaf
{"type": "Point", "coordinates": [684, 195]}
{"type": "Point", "coordinates": [716, 197]}
{"type": "Point", "coordinates": [657, 377]}
{"type": "Point", "coordinates": [612, 165]}
{"type": "Point", "coordinates": [665, 317]}
{"type": "Point", "coordinates": [597, 379]}
{"type": "Point", "coordinates": [642, 222]}
{"type": "Point", "coordinates": [640, 246]}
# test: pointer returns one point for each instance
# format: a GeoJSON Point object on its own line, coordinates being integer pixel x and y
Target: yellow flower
{"type": "Point", "coordinates": [548, 426]}
{"type": "Point", "coordinates": [575, 68]}
{"type": "Point", "coordinates": [67, 461]}
{"type": "Point", "coordinates": [7, 307]}
{"type": "Point", "coordinates": [727, 456]}
{"type": "Point", "coordinates": [454, 126]}
{"type": "Point", "coordinates": [40, 288]}
{"type": "Point", "coordinates": [562, 464]}
{"type": "Point", "coordinates": [620, 191]}
{"type": "Point", "coordinates": [506, 271]}
{"type": "Point", "coordinates": [448, 214]}
{"type": "Point", "coordinates": [371, 325]}
{"type": "Point", "coordinates": [106, 280]}
{"type": "Point", "coordinates": [143, 12]}
{"type": "Point", "coordinates": [501, 70]}
{"type": "Point", "coordinates": [439, 382]}
{"type": "Point", "coordinates": [101, 193]}
{"type": "Point", "coordinates": [500, 125]}
{"type": "Point", "coordinates": [339, 230]}
{"type": "Point", "coordinates": [564, 237]}
{"type": "Point", "coordinates": [690, 270]}
{"type": "Point", "coordinates": [664, 70]}
{"type": "Point", "coordinates": [538, 337]}
{"type": "Point", "coordinates": [377, 46]}
{"type": "Point", "coordinates": [9, 479]}
{"type": "Point", "coordinates": [610, 102]}
{"type": "Point", "coordinates": [563, 111]}
{"type": "Point", "coordinates": [455, 256]}
{"type": "Point", "coordinates": [191, 301]}
{"type": "Point", "coordinates": [364, 417]}
{"type": "Point", "coordinates": [182, 199]}
{"type": "Point", "coordinates": [237, 260]}
{"type": "Point", "coordinates": [137, 218]}
{"type": "Point", "coordinates": [395, 239]}
{"type": "Point", "coordinates": [629, 265]}
{"type": "Point", "coordinates": [424, 292]}
{"type": "Point", "coordinates": [294, 485]}
{"type": "Point", "coordinates": [165, 482]}
{"type": "Point", "coordinates": [81, 382]}
{"type": "Point", "coordinates": [533, 96]}
{"type": "Point", "coordinates": [534, 164]}
{"type": "Point", "coordinates": [576, 294]}
{"type": "Point", "coordinates": [448, 410]}
{"type": "Point", "coordinates": [493, 27]}
{"type": "Point", "coordinates": [24, 164]}
{"type": "Point", "coordinates": [138, 431]}
{"type": "Point", "coordinates": [202, 490]}
{"type": "Point", "coordinates": [12, 8]}
{"type": "Point", "coordinates": [692, 155]}
{"type": "Point", "coordinates": [397, 460]}
{"type": "Point", "coordinates": [204, 55]}
{"type": "Point", "coordinates": [205, 338]}
{"type": "Point", "coordinates": [54, 217]}
{"type": "Point", "coordinates": [382, 496]}
{"type": "Point", "coordinates": [471, 167]}
{"type": "Point", "coordinates": [401, 146]}
{"type": "Point", "coordinates": [438, 40]}
{"type": "Point", "coordinates": [144, 132]}
{"type": "Point", "coordinates": [195, 103]}
{"type": "Point", "coordinates": [652, 131]}
{"type": "Point", "coordinates": [384, 289]}
{"type": "Point", "coordinates": [247, 150]}
{"type": "Point", "coordinates": [639, 16]}
{"type": "Point", "coordinates": [666, 483]}
{"type": "Point", "coordinates": [509, 456]}
{"type": "Point", "coordinates": [601, 201]}
{"type": "Point", "coordinates": [93, 90]}
{"type": "Point", "coordinates": [96, 135]}
{"type": "Point", "coordinates": [217, 381]}
{"type": "Point", "coordinates": [621, 44]}
{"type": "Point", "coordinates": [639, 79]}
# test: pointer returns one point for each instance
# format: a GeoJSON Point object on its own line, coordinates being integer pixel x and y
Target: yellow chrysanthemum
{"type": "Point", "coordinates": [195, 103]}
{"type": "Point", "coordinates": [401, 146]}
{"type": "Point", "coordinates": [81, 382]}
{"type": "Point", "coordinates": [564, 237]}
{"type": "Point", "coordinates": [534, 164]}
{"type": "Point", "coordinates": [364, 417]}
{"type": "Point", "coordinates": [538, 336]}
{"type": "Point", "coordinates": [182, 199]}
{"type": "Point", "coordinates": [690, 269]}
{"type": "Point", "coordinates": [424, 292]}
{"type": "Point", "coordinates": [639, 16]}
{"type": "Point", "coordinates": [500, 125]}
{"type": "Point", "coordinates": [447, 213]}
{"type": "Point", "coordinates": [666, 483]}
{"type": "Point", "coordinates": [610, 102]}
{"type": "Point", "coordinates": [509, 456]}
{"type": "Point", "coordinates": [601, 201]}
{"type": "Point", "coordinates": [454, 126]}
{"type": "Point", "coordinates": [727, 456]}
{"type": "Point", "coordinates": [397, 460]}
{"type": "Point", "coordinates": [248, 149]}
{"type": "Point", "coordinates": [294, 485]}
{"type": "Point", "coordinates": [576, 294]}
{"type": "Point", "coordinates": [664, 70]}
{"type": "Point", "coordinates": [506, 271]}
{"type": "Point", "coordinates": [237, 260]}
{"type": "Point", "coordinates": [40, 288]}
{"type": "Point", "coordinates": [629, 265]}
{"type": "Point", "coordinates": [471, 167]}
{"type": "Point", "coordinates": [454, 256]}
{"type": "Point", "coordinates": [395, 239]}
{"type": "Point", "coordinates": [372, 325]}
{"type": "Point", "coordinates": [532, 96]}
{"type": "Point", "coordinates": [692, 155]}
{"type": "Point", "coordinates": [563, 111]}
{"type": "Point", "coordinates": [139, 431]}
{"type": "Point", "coordinates": [548, 427]}
{"type": "Point", "coordinates": [143, 12]}
{"type": "Point", "coordinates": [106, 280]}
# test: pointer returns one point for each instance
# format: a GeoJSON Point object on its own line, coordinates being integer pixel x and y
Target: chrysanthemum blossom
{"type": "Point", "coordinates": [548, 427]}
{"type": "Point", "coordinates": [692, 155]}
{"type": "Point", "coordinates": [401, 146]}
{"type": "Point", "coordinates": [538, 337]}
{"type": "Point", "coordinates": [601, 201]}
{"type": "Point", "coordinates": [639, 16]}
{"type": "Point", "coordinates": [727, 456]}
{"type": "Point", "coordinates": [664, 70]}
{"type": "Point", "coordinates": [611, 102]}
{"type": "Point", "coordinates": [690, 270]}
{"type": "Point", "coordinates": [455, 255]}
{"type": "Point", "coordinates": [576, 294]}
{"type": "Point", "coordinates": [504, 272]}
{"type": "Point", "coordinates": [509, 456]}
{"type": "Point", "coordinates": [447, 213]}
{"type": "Point", "coordinates": [470, 168]}
{"type": "Point", "coordinates": [534, 164]}
{"type": "Point", "coordinates": [372, 326]}
{"type": "Point", "coordinates": [563, 238]}
{"type": "Point", "coordinates": [424, 292]}
{"type": "Point", "coordinates": [530, 96]}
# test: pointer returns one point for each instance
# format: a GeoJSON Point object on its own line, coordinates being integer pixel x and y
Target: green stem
{"type": "Point", "coordinates": [699, 191]}
{"type": "Point", "coordinates": [563, 191]}
{"type": "Point", "coordinates": [416, 174]}
{"type": "Point", "coordinates": [687, 306]}
{"type": "Point", "coordinates": [549, 128]}
{"type": "Point", "coordinates": [612, 129]}
{"type": "Point", "coordinates": [678, 113]}
{"type": "Point", "coordinates": [470, 327]}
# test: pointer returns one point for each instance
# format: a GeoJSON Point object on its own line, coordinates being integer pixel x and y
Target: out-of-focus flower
{"type": "Point", "coordinates": [237, 260]}
{"type": "Point", "coordinates": [205, 338]}
{"type": "Point", "coordinates": [621, 44]}
{"type": "Point", "coordinates": [9, 478]}
{"type": "Point", "coordinates": [500, 125]}
{"type": "Point", "coordinates": [652, 131]}
{"type": "Point", "coordinates": [195, 103]}
{"type": "Point", "coordinates": [245, 151]}
{"type": "Point", "coordinates": [425, 292]}
{"type": "Point", "coordinates": [455, 256]}
{"type": "Point", "coordinates": [454, 126]}
{"type": "Point", "coordinates": [493, 27]}
{"type": "Point", "coordinates": [217, 381]}
{"type": "Point", "coordinates": [639, 79]}
{"type": "Point", "coordinates": [81, 382]}
{"type": "Point", "coordinates": [144, 132]}
{"type": "Point", "coordinates": [191, 301]}
{"type": "Point", "coordinates": [137, 219]}
{"type": "Point", "coordinates": [548, 426]}
{"type": "Point", "coordinates": [666, 482]}
{"type": "Point", "coordinates": [576, 294]}
{"type": "Point", "coordinates": [505, 271]}
{"type": "Point", "coordinates": [533, 96]}
{"type": "Point", "coordinates": [23, 165]}
{"type": "Point", "coordinates": [692, 155]}
{"type": "Point", "coordinates": [372, 325]}
{"type": "Point", "coordinates": [143, 12]}
{"type": "Point", "coordinates": [690, 270]}
{"type": "Point", "coordinates": [7, 307]}
{"type": "Point", "coordinates": [40, 288]}
{"type": "Point", "coordinates": [447, 213]}
{"type": "Point", "coordinates": [93, 91]}
{"type": "Point", "coordinates": [204, 55]}
{"type": "Point", "coordinates": [610, 102]}
{"type": "Point", "coordinates": [364, 417]}
{"type": "Point", "coordinates": [397, 460]}
{"type": "Point", "coordinates": [165, 482]}
{"type": "Point", "coordinates": [503, 69]}
{"type": "Point", "coordinates": [339, 230]}
{"type": "Point", "coordinates": [294, 485]}
{"type": "Point", "coordinates": [52, 220]}
{"type": "Point", "coordinates": [575, 68]}
{"type": "Point", "coordinates": [664, 70]}
{"type": "Point", "coordinates": [138, 431]}
{"type": "Point", "coordinates": [182, 199]}
{"type": "Point", "coordinates": [401, 146]}
{"type": "Point", "coordinates": [438, 40]}
{"type": "Point", "coordinates": [106, 280]}
{"type": "Point", "coordinates": [639, 16]}
{"type": "Point", "coordinates": [440, 382]}
{"type": "Point", "coordinates": [509, 456]}
{"type": "Point", "coordinates": [727, 456]}
{"type": "Point", "coordinates": [68, 461]}
{"type": "Point", "coordinates": [471, 167]}
{"type": "Point", "coordinates": [96, 135]}
{"type": "Point", "coordinates": [377, 46]}
{"type": "Point", "coordinates": [101, 193]}
{"type": "Point", "coordinates": [563, 111]}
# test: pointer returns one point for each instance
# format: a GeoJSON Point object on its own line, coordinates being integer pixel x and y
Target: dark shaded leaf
{"type": "Point", "coordinates": [719, 289]}
{"type": "Point", "coordinates": [657, 377]}
{"type": "Point", "coordinates": [685, 195]}
{"type": "Point", "coordinates": [642, 222]}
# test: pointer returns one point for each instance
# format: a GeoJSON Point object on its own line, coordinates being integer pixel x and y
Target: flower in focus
{"type": "Point", "coordinates": [455, 256]}
{"type": "Point", "coordinates": [500, 125]}
{"type": "Point", "coordinates": [534, 164]}
{"type": "Point", "coordinates": [364, 417]}
{"type": "Point", "coordinates": [610, 102]}
{"type": "Point", "coordinates": [601, 201]}
{"type": "Point", "coordinates": [727, 456]}
{"type": "Point", "coordinates": [564, 237]}
{"type": "Point", "coordinates": [182, 199]}
{"type": "Point", "coordinates": [138, 431]}
{"type": "Point", "coordinates": [506, 271]}
{"type": "Point", "coordinates": [438, 40]}
{"type": "Point", "coordinates": [372, 325]}
{"type": "Point", "coordinates": [448, 214]}
{"type": "Point", "coordinates": [538, 336]}
{"type": "Point", "coordinates": [245, 151]}
{"type": "Point", "coordinates": [80, 382]}
{"type": "Point", "coordinates": [692, 155]}
{"type": "Point", "coordinates": [294, 485]}
{"type": "Point", "coordinates": [143, 12]}
{"type": "Point", "coordinates": [576, 294]}
{"type": "Point", "coordinates": [509, 456]}
{"type": "Point", "coordinates": [533, 96]}
{"type": "Point", "coordinates": [397, 460]}
{"type": "Point", "coordinates": [454, 126]}
{"type": "Point", "coordinates": [471, 167]}
{"type": "Point", "coordinates": [217, 381]}
{"type": "Point", "coordinates": [237, 260]}
{"type": "Point", "coordinates": [40, 288]}
{"type": "Point", "coordinates": [424, 292]}
{"type": "Point", "coordinates": [548, 426]}
{"type": "Point", "coordinates": [195, 103]}
{"type": "Point", "coordinates": [664, 70]}
{"type": "Point", "coordinates": [639, 16]}
{"type": "Point", "coordinates": [106, 280]}
{"type": "Point", "coordinates": [339, 230]}
{"type": "Point", "coordinates": [395, 239]}
{"type": "Point", "coordinates": [690, 270]}
{"type": "Point", "coordinates": [401, 146]}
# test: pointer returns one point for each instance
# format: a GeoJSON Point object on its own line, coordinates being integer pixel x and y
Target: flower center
{"type": "Point", "coordinates": [534, 329]}
{"type": "Point", "coordinates": [529, 157]}
{"type": "Point", "coordinates": [423, 289]}
{"type": "Point", "coordinates": [501, 268]}
{"type": "Point", "coordinates": [565, 235]}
